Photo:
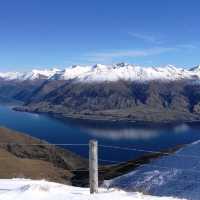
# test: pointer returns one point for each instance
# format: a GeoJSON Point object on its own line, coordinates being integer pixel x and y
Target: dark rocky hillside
{"type": "Point", "coordinates": [154, 101]}
{"type": "Point", "coordinates": [18, 90]}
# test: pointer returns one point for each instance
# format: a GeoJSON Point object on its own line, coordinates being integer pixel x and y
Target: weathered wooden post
{"type": "Point", "coordinates": [93, 166]}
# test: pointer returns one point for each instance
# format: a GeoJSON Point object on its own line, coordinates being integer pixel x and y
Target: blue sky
{"type": "Point", "coordinates": [48, 33]}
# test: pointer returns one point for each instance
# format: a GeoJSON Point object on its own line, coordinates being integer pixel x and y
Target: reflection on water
{"type": "Point", "coordinates": [123, 134]}
{"type": "Point", "coordinates": [181, 128]}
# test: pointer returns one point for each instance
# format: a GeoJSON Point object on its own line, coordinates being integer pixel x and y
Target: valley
{"type": "Point", "coordinates": [155, 116]}
{"type": "Point", "coordinates": [153, 95]}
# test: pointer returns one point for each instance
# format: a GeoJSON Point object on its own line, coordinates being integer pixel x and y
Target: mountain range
{"type": "Point", "coordinates": [108, 92]}
{"type": "Point", "coordinates": [101, 73]}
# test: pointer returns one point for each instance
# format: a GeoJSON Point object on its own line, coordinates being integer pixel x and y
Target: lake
{"type": "Point", "coordinates": [147, 137]}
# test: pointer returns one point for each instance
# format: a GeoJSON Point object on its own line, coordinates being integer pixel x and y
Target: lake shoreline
{"type": "Point", "coordinates": [112, 120]}
{"type": "Point", "coordinates": [57, 130]}
{"type": "Point", "coordinates": [17, 147]}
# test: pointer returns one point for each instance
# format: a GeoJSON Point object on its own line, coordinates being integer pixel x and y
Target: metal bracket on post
{"type": "Point", "coordinates": [93, 166]}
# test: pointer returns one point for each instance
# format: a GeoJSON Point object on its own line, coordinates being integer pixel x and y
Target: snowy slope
{"type": "Point", "coordinates": [71, 72]}
{"type": "Point", "coordinates": [32, 75]}
{"type": "Point", "coordinates": [115, 72]}
{"type": "Point", "coordinates": [176, 175]}
{"type": "Point", "coordinates": [123, 71]}
{"type": "Point", "coordinates": [17, 189]}
{"type": "Point", "coordinates": [11, 75]}
{"type": "Point", "coordinates": [39, 74]}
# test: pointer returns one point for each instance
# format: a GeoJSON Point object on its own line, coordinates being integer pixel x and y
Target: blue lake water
{"type": "Point", "coordinates": [118, 134]}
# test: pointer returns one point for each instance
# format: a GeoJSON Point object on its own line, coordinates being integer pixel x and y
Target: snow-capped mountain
{"type": "Point", "coordinates": [10, 75]}
{"type": "Point", "coordinates": [32, 75]}
{"type": "Point", "coordinates": [195, 69]}
{"type": "Point", "coordinates": [100, 73]}
{"type": "Point", "coordinates": [124, 71]}
{"type": "Point", "coordinates": [39, 74]}
{"type": "Point", "coordinates": [71, 72]}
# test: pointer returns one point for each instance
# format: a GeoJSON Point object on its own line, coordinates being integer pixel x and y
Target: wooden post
{"type": "Point", "coordinates": [93, 166]}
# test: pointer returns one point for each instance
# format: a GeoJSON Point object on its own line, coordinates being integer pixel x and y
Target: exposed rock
{"type": "Point", "coordinates": [155, 101]}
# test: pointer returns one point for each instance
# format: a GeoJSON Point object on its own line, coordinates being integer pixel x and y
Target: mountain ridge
{"type": "Point", "coordinates": [153, 101]}
{"type": "Point", "coordinates": [111, 92]}
{"type": "Point", "coordinates": [101, 73]}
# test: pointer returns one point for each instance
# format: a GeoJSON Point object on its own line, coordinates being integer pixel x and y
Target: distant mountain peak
{"type": "Point", "coordinates": [171, 66]}
{"type": "Point", "coordinates": [196, 68]}
{"type": "Point", "coordinates": [99, 66]}
{"type": "Point", "coordinates": [122, 64]}
{"type": "Point", "coordinates": [100, 72]}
